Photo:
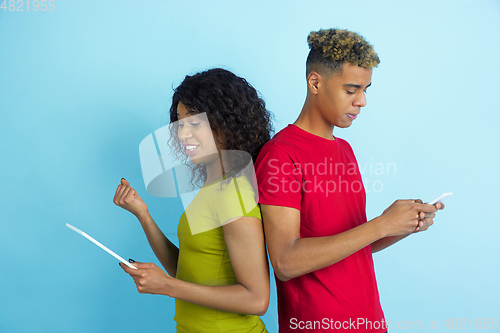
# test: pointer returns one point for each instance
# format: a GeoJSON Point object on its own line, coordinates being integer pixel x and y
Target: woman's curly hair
{"type": "Point", "coordinates": [330, 48]}
{"type": "Point", "coordinates": [237, 116]}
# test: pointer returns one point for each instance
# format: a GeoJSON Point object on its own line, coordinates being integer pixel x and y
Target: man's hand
{"type": "Point", "coordinates": [150, 279]}
{"type": "Point", "coordinates": [422, 221]}
{"type": "Point", "coordinates": [426, 219]}
{"type": "Point", "coordinates": [127, 198]}
{"type": "Point", "coordinates": [407, 216]}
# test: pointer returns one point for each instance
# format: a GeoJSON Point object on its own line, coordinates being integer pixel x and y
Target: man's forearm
{"type": "Point", "coordinates": [386, 242]}
{"type": "Point", "coordinates": [307, 255]}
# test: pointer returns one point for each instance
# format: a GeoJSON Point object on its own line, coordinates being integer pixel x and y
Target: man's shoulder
{"type": "Point", "coordinates": [292, 140]}
{"type": "Point", "coordinates": [285, 140]}
{"type": "Point", "coordinates": [344, 145]}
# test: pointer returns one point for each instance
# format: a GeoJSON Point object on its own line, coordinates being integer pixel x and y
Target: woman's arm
{"type": "Point", "coordinates": [166, 252]}
{"type": "Point", "coordinates": [245, 242]}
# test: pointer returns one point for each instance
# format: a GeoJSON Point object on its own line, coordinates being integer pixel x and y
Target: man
{"type": "Point", "coordinates": [313, 201]}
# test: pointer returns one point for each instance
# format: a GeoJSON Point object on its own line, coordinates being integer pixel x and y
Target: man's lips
{"type": "Point", "coordinates": [352, 116]}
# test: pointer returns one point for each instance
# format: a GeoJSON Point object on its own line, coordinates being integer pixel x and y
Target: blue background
{"type": "Point", "coordinates": [82, 85]}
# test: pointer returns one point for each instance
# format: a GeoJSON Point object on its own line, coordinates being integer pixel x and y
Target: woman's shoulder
{"type": "Point", "coordinates": [234, 187]}
{"type": "Point", "coordinates": [236, 198]}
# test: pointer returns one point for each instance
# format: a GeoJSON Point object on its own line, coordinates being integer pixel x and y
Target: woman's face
{"type": "Point", "coordinates": [196, 136]}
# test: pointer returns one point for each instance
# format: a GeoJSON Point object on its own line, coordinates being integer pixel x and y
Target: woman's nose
{"type": "Point", "coordinates": [184, 133]}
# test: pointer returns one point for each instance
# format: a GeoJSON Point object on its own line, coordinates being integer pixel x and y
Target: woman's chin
{"type": "Point", "coordinates": [196, 159]}
{"type": "Point", "coordinates": [204, 158]}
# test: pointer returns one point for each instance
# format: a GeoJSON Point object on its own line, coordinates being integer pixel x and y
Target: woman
{"type": "Point", "coordinates": [219, 274]}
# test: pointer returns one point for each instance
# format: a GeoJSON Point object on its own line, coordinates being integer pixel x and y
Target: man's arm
{"type": "Point", "coordinates": [292, 256]}
{"type": "Point", "coordinates": [424, 224]}
{"type": "Point", "coordinates": [385, 242]}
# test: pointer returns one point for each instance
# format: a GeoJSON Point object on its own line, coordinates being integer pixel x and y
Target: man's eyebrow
{"type": "Point", "coordinates": [355, 85]}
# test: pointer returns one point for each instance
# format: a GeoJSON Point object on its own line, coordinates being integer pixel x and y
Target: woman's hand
{"type": "Point", "coordinates": [127, 198]}
{"type": "Point", "coordinates": [149, 278]}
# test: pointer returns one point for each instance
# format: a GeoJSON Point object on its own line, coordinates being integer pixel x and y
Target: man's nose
{"type": "Point", "coordinates": [360, 100]}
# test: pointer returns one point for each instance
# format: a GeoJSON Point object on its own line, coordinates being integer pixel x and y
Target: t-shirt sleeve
{"type": "Point", "coordinates": [236, 199]}
{"type": "Point", "coordinates": [279, 179]}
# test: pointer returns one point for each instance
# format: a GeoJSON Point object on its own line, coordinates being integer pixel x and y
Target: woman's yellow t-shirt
{"type": "Point", "coordinates": [204, 258]}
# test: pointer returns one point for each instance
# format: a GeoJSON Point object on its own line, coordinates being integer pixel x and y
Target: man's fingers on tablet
{"type": "Point", "coordinates": [428, 222]}
{"type": "Point", "coordinates": [440, 205]}
{"type": "Point", "coordinates": [423, 215]}
{"type": "Point", "coordinates": [405, 201]}
{"type": "Point", "coordinates": [425, 208]}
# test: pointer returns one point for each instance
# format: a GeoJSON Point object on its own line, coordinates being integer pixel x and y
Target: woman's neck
{"type": "Point", "coordinates": [215, 169]}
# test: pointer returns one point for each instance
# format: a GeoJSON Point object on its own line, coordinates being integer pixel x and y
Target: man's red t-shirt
{"type": "Point", "coordinates": [321, 179]}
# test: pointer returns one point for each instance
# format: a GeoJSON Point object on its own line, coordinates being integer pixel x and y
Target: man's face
{"type": "Point", "coordinates": [341, 96]}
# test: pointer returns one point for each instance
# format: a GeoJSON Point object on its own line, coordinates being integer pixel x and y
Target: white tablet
{"type": "Point", "coordinates": [100, 245]}
{"type": "Point", "coordinates": [440, 198]}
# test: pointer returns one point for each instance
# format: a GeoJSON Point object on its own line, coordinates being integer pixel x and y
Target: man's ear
{"type": "Point", "coordinates": [313, 82]}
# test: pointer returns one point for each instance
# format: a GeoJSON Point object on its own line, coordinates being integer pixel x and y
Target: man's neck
{"type": "Point", "coordinates": [310, 121]}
